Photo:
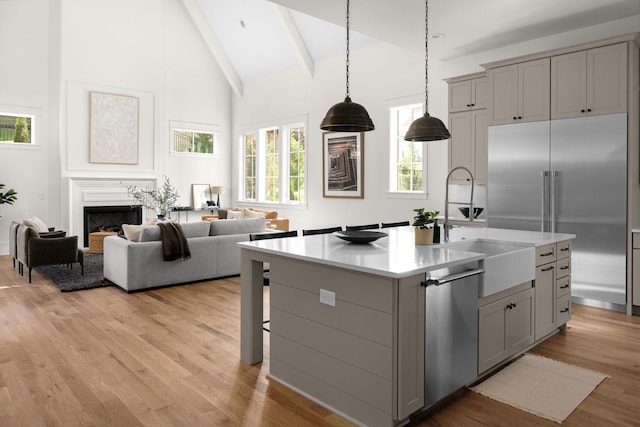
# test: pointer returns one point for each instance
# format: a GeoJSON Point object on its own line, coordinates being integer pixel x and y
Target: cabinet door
{"type": "Point", "coordinates": [534, 90]}
{"type": "Point", "coordinates": [545, 300]}
{"type": "Point", "coordinates": [569, 85]}
{"type": "Point", "coordinates": [480, 146]}
{"type": "Point", "coordinates": [492, 334]}
{"type": "Point", "coordinates": [410, 338]}
{"type": "Point", "coordinates": [607, 79]}
{"type": "Point", "coordinates": [460, 96]}
{"type": "Point", "coordinates": [479, 94]}
{"type": "Point", "coordinates": [520, 321]}
{"type": "Point", "coordinates": [460, 145]}
{"type": "Point", "coordinates": [503, 94]}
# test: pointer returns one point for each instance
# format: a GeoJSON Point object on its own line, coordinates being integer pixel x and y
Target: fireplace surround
{"type": "Point", "coordinates": [109, 218]}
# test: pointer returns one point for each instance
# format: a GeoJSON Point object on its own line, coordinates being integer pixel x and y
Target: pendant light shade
{"type": "Point", "coordinates": [347, 116]}
{"type": "Point", "coordinates": [427, 128]}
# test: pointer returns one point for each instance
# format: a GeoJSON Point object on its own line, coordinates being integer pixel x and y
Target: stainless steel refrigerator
{"type": "Point", "coordinates": [567, 176]}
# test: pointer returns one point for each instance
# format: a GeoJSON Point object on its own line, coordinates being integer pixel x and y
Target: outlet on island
{"type": "Point", "coordinates": [327, 297]}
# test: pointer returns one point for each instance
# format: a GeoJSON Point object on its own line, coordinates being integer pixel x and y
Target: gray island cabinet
{"type": "Point", "coordinates": [347, 322]}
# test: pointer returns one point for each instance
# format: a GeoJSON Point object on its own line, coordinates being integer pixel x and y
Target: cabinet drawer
{"type": "Point", "coordinates": [564, 309]}
{"type": "Point", "coordinates": [563, 286]}
{"type": "Point", "coordinates": [636, 240]}
{"type": "Point", "coordinates": [564, 249]}
{"type": "Point", "coordinates": [545, 254]}
{"type": "Point", "coordinates": [564, 267]}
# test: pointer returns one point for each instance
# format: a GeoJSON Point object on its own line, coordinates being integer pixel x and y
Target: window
{"type": "Point", "coordinates": [250, 166]}
{"type": "Point", "coordinates": [17, 128]}
{"type": "Point", "coordinates": [193, 139]}
{"type": "Point", "coordinates": [274, 164]}
{"type": "Point", "coordinates": [407, 158]}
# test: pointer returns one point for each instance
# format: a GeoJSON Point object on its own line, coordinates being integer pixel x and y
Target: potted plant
{"type": "Point", "coordinates": [423, 221]}
{"type": "Point", "coordinates": [9, 197]}
{"type": "Point", "coordinates": [162, 199]}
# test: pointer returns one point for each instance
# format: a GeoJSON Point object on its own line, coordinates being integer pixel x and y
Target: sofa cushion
{"type": "Point", "coordinates": [132, 231]}
{"type": "Point", "coordinates": [248, 213]}
{"type": "Point", "coordinates": [190, 229]}
{"type": "Point", "coordinates": [233, 214]}
{"type": "Point", "coordinates": [267, 214]}
{"type": "Point", "coordinates": [239, 226]}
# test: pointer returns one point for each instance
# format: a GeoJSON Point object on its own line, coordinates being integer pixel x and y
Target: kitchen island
{"type": "Point", "coordinates": [347, 321]}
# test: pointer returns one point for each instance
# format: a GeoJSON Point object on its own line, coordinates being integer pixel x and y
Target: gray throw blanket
{"type": "Point", "coordinates": [174, 244]}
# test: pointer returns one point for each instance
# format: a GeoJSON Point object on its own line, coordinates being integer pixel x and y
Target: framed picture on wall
{"type": "Point", "coordinates": [343, 164]}
{"type": "Point", "coordinates": [113, 129]}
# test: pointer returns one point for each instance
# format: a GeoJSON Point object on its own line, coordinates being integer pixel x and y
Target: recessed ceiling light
{"type": "Point", "coordinates": [437, 35]}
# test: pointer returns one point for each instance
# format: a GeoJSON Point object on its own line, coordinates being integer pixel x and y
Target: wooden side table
{"type": "Point", "coordinates": [96, 241]}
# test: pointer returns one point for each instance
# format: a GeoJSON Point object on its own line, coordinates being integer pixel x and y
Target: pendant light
{"type": "Point", "coordinates": [427, 128]}
{"type": "Point", "coordinates": [347, 116]}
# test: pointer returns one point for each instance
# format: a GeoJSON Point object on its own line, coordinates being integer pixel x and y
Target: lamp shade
{"type": "Point", "coordinates": [427, 128]}
{"type": "Point", "coordinates": [347, 116]}
{"type": "Point", "coordinates": [217, 189]}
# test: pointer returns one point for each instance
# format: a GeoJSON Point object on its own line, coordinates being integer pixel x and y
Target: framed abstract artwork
{"type": "Point", "coordinates": [343, 164]}
{"type": "Point", "coordinates": [114, 129]}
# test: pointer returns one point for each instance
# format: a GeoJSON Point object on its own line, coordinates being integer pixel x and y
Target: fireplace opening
{"type": "Point", "coordinates": [109, 218]}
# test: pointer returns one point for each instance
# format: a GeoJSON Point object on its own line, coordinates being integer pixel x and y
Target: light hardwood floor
{"type": "Point", "coordinates": [170, 357]}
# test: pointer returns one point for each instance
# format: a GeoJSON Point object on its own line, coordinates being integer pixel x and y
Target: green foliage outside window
{"type": "Point", "coordinates": [15, 129]}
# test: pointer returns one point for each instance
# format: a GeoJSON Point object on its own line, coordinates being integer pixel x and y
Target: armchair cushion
{"type": "Point", "coordinates": [37, 224]}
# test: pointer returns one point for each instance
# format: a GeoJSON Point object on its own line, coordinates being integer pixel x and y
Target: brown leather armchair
{"type": "Point", "coordinates": [33, 250]}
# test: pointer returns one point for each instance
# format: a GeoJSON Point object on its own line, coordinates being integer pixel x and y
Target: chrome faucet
{"type": "Point", "coordinates": [447, 226]}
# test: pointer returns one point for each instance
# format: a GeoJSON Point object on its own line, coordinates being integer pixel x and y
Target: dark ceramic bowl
{"type": "Point", "coordinates": [476, 212]}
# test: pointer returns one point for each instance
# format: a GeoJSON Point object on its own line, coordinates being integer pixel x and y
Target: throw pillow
{"type": "Point", "coordinates": [231, 214]}
{"type": "Point", "coordinates": [132, 232]}
{"type": "Point", "coordinates": [248, 214]}
{"type": "Point", "coordinates": [37, 224]}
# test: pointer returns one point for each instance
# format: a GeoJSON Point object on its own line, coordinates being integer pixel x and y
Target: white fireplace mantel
{"type": "Point", "coordinates": [101, 192]}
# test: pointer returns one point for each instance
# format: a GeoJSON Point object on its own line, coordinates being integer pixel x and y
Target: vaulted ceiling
{"type": "Point", "coordinates": [253, 38]}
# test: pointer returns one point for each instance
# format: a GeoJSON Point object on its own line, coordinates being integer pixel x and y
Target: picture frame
{"type": "Point", "coordinates": [201, 193]}
{"type": "Point", "coordinates": [343, 164]}
{"type": "Point", "coordinates": [113, 136]}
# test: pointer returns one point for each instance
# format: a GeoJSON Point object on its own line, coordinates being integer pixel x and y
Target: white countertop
{"type": "Point", "coordinates": [397, 255]}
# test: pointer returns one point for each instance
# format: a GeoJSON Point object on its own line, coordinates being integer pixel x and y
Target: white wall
{"type": "Point", "coordinates": [24, 84]}
{"type": "Point", "coordinates": [64, 49]}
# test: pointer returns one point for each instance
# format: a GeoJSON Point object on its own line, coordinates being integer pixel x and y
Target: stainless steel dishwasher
{"type": "Point", "coordinates": [451, 330]}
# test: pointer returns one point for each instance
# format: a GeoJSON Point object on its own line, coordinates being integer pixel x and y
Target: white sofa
{"type": "Point", "coordinates": [137, 265]}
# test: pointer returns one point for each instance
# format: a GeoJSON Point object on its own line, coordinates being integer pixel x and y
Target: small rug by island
{"type": "Point", "coordinates": [541, 386]}
{"type": "Point", "coordinates": [71, 279]}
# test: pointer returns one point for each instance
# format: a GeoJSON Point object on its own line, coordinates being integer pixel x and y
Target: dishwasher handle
{"type": "Point", "coordinates": [451, 278]}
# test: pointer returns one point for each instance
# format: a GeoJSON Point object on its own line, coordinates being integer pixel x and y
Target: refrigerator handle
{"type": "Point", "coordinates": [552, 200]}
{"type": "Point", "coordinates": [544, 217]}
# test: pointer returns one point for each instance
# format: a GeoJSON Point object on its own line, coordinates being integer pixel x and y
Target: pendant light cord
{"type": "Point", "coordinates": [426, 56]}
{"type": "Point", "coordinates": [347, 95]}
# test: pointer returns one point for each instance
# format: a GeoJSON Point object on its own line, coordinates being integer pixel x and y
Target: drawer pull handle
{"type": "Point", "coordinates": [511, 306]}
{"type": "Point", "coordinates": [564, 249]}
{"type": "Point", "coordinates": [548, 268]}
{"type": "Point", "coordinates": [566, 267]}
{"type": "Point", "coordinates": [564, 310]}
{"type": "Point", "coordinates": [564, 286]}
{"type": "Point", "coordinates": [547, 254]}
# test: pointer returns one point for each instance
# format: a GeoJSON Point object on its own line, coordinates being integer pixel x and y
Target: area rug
{"type": "Point", "coordinates": [71, 279]}
{"type": "Point", "coordinates": [544, 387]}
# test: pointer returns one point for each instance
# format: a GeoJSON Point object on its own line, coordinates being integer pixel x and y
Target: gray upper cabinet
{"type": "Point", "coordinates": [589, 82]}
{"type": "Point", "coordinates": [465, 95]}
{"type": "Point", "coordinates": [519, 92]}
